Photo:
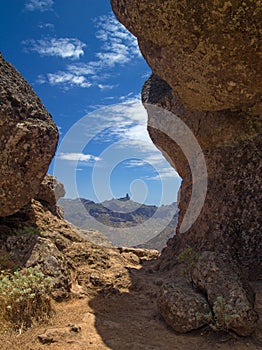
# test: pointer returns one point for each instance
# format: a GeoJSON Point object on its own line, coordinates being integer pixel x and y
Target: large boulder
{"type": "Point", "coordinates": [28, 139]}
{"type": "Point", "coordinates": [230, 142]}
{"type": "Point", "coordinates": [207, 51]}
{"type": "Point", "coordinates": [204, 113]}
{"type": "Point", "coordinates": [229, 221]}
{"type": "Point", "coordinates": [51, 190]}
{"type": "Point", "coordinates": [182, 308]}
{"type": "Point", "coordinates": [230, 297]}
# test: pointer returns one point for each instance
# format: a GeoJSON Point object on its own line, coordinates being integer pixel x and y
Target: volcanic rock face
{"type": "Point", "coordinates": [51, 190]}
{"type": "Point", "coordinates": [28, 139]}
{"type": "Point", "coordinates": [231, 144]}
{"type": "Point", "coordinates": [207, 51]}
{"type": "Point", "coordinates": [204, 56]}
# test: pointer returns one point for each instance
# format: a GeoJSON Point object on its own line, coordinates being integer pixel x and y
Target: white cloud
{"type": "Point", "coordinates": [164, 173]}
{"type": "Point", "coordinates": [46, 26]}
{"type": "Point", "coordinates": [39, 5]}
{"type": "Point", "coordinates": [106, 87]}
{"type": "Point", "coordinates": [61, 47]}
{"type": "Point", "coordinates": [118, 47]}
{"type": "Point", "coordinates": [126, 128]}
{"type": "Point", "coordinates": [80, 157]}
{"type": "Point", "coordinates": [66, 80]}
{"type": "Point", "coordinates": [41, 79]}
{"type": "Point", "coordinates": [82, 68]}
{"type": "Point", "coordinates": [133, 163]}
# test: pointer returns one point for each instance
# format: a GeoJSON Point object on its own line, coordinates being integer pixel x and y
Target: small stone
{"type": "Point", "coordinates": [46, 339]}
{"type": "Point", "coordinates": [75, 329]}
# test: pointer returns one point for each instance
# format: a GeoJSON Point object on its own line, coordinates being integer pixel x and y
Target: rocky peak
{"type": "Point", "coordinates": [125, 199]}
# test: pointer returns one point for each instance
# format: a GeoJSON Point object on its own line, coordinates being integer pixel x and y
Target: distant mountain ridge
{"type": "Point", "coordinates": [123, 221]}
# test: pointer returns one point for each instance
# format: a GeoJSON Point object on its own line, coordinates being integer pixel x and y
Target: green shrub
{"type": "Point", "coordinates": [189, 257]}
{"type": "Point", "coordinates": [223, 314]}
{"type": "Point", "coordinates": [25, 296]}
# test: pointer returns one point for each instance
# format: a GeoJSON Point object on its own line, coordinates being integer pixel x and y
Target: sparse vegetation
{"type": "Point", "coordinates": [25, 297]}
{"type": "Point", "coordinates": [223, 314]}
{"type": "Point", "coordinates": [188, 256]}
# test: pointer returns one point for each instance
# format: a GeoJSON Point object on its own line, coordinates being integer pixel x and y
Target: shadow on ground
{"type": "Point", "coordinates": [131, 320]}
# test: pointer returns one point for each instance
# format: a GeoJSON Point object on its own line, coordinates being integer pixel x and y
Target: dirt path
{"type": "Point", "coordinates": [123, 321]}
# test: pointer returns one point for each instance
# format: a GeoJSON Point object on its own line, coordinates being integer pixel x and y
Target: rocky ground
{"type": "Point", "coordinates": [104, 297]}
{"type": "Point", "coordinates": [100, 316]}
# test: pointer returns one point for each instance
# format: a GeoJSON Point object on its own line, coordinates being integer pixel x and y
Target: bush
{"type": "Point", "coordinates": [25, 296]}
{"type": "Point", "coordinates": [223, 314]}
{"type": "Point", "coordinates": [189, 257]}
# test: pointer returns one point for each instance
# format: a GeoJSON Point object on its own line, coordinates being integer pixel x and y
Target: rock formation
{"type": "Point", "coordinates": [208, 52]}
{"type": "Point", "coordinates": [117, 217]}
{"type": "Point", "coordinates": [28, 139]}
{"type": "Point", "coordinates": [51, 190]}
{"type": "Point", "coordinates": [231, 144]}
{"type": "Point", "coordinates": [207, 72]}
{"type": "Point", "coordinates": [77, 260]}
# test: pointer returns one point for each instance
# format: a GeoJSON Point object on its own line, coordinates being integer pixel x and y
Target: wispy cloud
{"type": "Point", "coordinates": [106, 87]}
{"type": "Point", "coordinates": [67, 80]}
{"type": "Point", "coordinates": [39, 5]}
{"type": "Point", "coordinates": [118, 47]}
{"type": "Point", "coordinates": [126, 129]}
{"type": "Point", "coordinates": [164, 173]}
{"type": "Point", "coordinates": [59, 47]}
{"type": "Point", "coordinates": [46, 26]}
{"type": "Point", "coordinates": [79, 157]}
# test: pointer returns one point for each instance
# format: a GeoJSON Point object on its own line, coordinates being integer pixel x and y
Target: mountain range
{"type": "Point", "coordinates": [123, 221]}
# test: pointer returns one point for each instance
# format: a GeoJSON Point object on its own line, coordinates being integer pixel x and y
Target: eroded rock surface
{"type": "Point", "coordinates": [231, 144]}
{"type": "Point", "coordinates": [51, 190]}
{"type": "Point", "coordinates": [79, 261]}
{"type": "Point", "coordinates": [206, 74]}
{"type": "Point", "coordinates": [207, 51]}
{"type": "Point", "coordinates": [182, 308]}
{"type": "Point", "coordinates": [227, 292]}
{"type": "Point", "coordinates": [28, 139]}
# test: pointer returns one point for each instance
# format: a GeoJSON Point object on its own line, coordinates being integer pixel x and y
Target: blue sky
{"type": "Point", "coordinates": [88, 71]}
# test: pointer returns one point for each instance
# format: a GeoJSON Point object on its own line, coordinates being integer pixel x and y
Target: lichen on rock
{"type": "Point", "coordinates": [182, 308]}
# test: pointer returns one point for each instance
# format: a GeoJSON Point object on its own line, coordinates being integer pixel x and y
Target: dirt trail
{"type": "Point", "coordinates": [126, 320]}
